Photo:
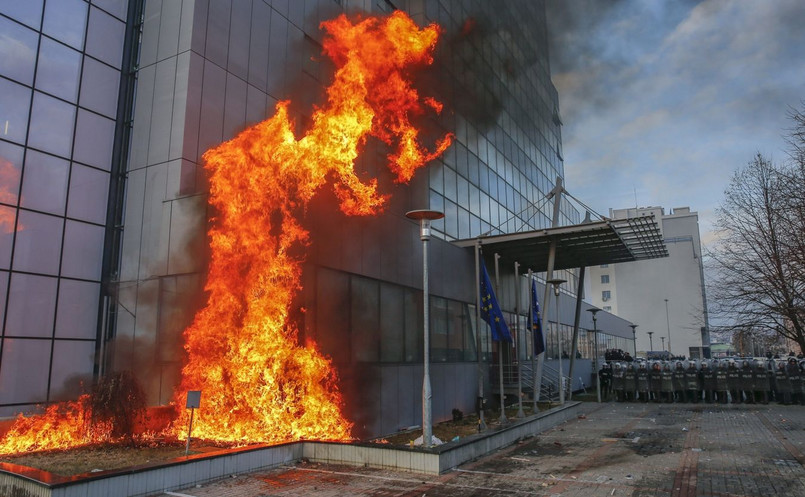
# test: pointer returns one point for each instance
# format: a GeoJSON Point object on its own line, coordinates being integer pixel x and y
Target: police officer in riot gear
{"type": "Point", "coordinates": [734, 382]}
{"type": "Point", "coordinates": [762, 383]}
{"type": "Point", "coordinates": [709, 382]}
{"type": "Point", "coordinates": [605, 377]}
{"type": "Point", "coordinates": [630, 383]}
{"type": "Point", "coordinates": [667, 383]}
{"type": "Point", "coordinates": [692, 383]}
{"type": "Point", "coordinates": [747, 382]}
{"type": "Point", "coordinates": [782, 386]}
{"type": "Point", "coordinates": [618, 381]}
{"type": "Point", "coordinates": [642, 382]}
{"type": "Point", "coordinates": [655, 381]}
{"type": "Point", "coordinates": [679, 383]}
{"type": "Point", "coordinates": [721, 382]}
{"type": "Point", "coordinates": [795, 379]}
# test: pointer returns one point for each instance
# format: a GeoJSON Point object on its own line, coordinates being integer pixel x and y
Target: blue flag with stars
{"type": "Point", "coordinates": [536, 322]}
{"type": "Point", "coordinates": [490, 310]}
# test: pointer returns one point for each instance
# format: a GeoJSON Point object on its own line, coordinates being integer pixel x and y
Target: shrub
{"type": "Point", "coordinates": [118, 402]}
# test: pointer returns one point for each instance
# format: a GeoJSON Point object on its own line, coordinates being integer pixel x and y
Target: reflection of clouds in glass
{"type": "Point", "coordinates": [17, 51]}
{"type": "Point", "coordinates": [14, 102]}
{"type": "Point", "coordinates": [51, 127]}
{"type": "Point", "coordinates": [58, 70]}
{"type": "Point", "coordinates": [9, 183]}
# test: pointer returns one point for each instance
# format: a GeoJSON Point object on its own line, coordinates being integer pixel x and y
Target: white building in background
{"type": "Point", "coordinates": [663, 296]}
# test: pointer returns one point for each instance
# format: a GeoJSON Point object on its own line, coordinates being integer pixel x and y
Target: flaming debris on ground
{"type": "Point", "coordinates": [258, 383]}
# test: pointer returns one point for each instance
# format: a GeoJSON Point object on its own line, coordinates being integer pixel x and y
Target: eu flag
{"type": "Point", "coordinates": [490, 310]}
{"type": "Point", "coordinates": [536, 322]}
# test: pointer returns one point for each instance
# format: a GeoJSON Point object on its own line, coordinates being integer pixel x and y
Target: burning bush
{"type": "Point", "coordinates": [118, 401]}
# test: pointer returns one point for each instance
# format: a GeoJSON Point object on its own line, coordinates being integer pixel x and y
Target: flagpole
{"type": "Point", "coordinates": [481, 421]}
{"type": "Point", "coordinates": [518, 345]}
{"type": "Point", "coordinates": [533, 343]}
{"type": "Point", "coordinates": [556, 282]}
{"type": "Point", "coordinates": [556, 195]}
{"type": "Point", "coordinates": [502, 418]}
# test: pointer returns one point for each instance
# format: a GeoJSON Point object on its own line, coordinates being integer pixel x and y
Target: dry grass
{"type": "Point", "coordinates": [104, 457]}
{"type": "Point", "coordinates": [468, 425]}
{"type": "Point", "coordinates": [115, 456]}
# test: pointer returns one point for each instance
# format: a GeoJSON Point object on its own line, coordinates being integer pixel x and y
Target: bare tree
{"type": "Point", "coordinates": [757, 265]}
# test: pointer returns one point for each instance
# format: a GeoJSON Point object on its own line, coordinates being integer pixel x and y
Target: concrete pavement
{"type": "Point", "coordinates": [612, 450]}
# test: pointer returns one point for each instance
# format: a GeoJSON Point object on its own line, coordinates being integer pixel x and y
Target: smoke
{"type": "Point", "coordinates": [151, 343]}
{"type": "Point", "coordinates": [481, 56]}
{"type": "Point", "coordinates": [591, 40]}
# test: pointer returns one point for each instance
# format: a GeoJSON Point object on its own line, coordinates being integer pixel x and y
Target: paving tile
{"type": "Point", "coordinates": [612, 450]}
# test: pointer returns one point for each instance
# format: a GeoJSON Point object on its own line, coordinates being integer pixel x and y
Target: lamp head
{"type": "Point", "coordinates": [556, 282]}
{"type": "Point", "coordinates": [424, 217]}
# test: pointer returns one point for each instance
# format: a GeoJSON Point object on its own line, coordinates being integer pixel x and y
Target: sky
{"type": "Point", "coordinates": [661, 101]}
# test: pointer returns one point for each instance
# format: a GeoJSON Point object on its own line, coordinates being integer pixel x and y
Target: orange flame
{"type": "Point", "coordinates": [61, 426]}
{"type": "Point", "coordinates": [258, 383]}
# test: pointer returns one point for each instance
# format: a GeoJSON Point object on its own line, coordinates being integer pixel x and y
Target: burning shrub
{"type": "Point", "coordinates": [118, 402]}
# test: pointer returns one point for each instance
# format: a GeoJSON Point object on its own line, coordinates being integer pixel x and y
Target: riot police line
{"type": "Point", "coordinates": [744, 380]}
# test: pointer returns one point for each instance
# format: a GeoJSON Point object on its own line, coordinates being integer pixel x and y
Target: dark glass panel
{"type": "Point", "coordinates": [31, 306]}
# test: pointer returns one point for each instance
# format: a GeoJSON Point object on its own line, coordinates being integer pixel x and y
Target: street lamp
{"type": "Point", "coordinates": [425, 217]}
{"type": "Point", "coordinates": [650, 342]}
{"type": "Point", "coordinates": [634, 339]}
{"type": "Point", "coordinates": [595, 354]}
{"type": "Point", "coordinates": [668, 324]}
{"type": "Point", "coordinates": [556, 282]}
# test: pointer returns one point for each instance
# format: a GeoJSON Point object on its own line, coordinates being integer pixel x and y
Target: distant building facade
{"type": "Point", "coordinates": [664, 296]}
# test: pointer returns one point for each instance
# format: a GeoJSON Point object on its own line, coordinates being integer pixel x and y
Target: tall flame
{"type": "Point", "coordinates": [258, 383]}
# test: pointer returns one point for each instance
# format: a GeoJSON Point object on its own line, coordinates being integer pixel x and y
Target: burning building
{"type": "Point", "coordinates": [125, 278]}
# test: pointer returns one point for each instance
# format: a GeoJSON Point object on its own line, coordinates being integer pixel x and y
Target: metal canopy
{"type": "Point", "coordinates": [581, 245]}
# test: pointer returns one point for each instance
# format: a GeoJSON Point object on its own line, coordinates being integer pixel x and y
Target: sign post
{"type": "Point", "coordinates": [193, 403]}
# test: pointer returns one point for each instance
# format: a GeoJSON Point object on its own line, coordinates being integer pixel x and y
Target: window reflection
{"type": "Point", "coordinates": [94, 136]}
{"type": "Point", "coordinates": [31, 306]}
{"type": "Point", "coordinates": [105, 37]}
{"type": "Point", "coordinates": [45, 185]}
{"type": "Point", "coordinates": [51, 125]}
{"type": "Point", "coordinates": [8, 216]}
{"type": "Point", "coordinates": [83, 250]}
{"type": "Point", "coordinates": [88, 194]}
{"type": "Point", "coordinates": [28, 12]}
{"type": "Point", "coordinates": [78, 309]}
{"type": "Point", "coordinates": [17, 51]}
{"type": "Point", "coordinates": [14, 103]}
{"type": "Point", "coordinates": [38, 243]}
{"type": "Point", "coordinates": [65, 21]}
{"type": "Point", "coordinates": [58, 70]}
{"type": "Point", "coordinates": [19, 382]}
{"type": "Point", "coordinates": [99, 86]}
{"type": "Point", "coordinates": [10, 167]}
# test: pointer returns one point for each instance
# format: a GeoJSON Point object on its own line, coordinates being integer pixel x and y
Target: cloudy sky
{"type": "Point", "coordinates": [663, 100]}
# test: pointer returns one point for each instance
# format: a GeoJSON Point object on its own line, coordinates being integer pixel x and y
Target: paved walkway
{"type": "Point", "coordinates": [612, 450]}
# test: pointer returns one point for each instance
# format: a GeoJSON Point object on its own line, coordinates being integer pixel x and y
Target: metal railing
{"type": "Point", "coordinates": [549, 389]}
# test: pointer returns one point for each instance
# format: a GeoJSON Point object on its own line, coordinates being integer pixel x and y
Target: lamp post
{"type": "Point", "coordinates": [650, 342]}
{"type": "Point", "coordinates": [668, 324]}
{"type": "Point", "coordinates": [595, 353]}
{"type": "Point", "coordinates": [556, 282]}
{"type": "Point", "coordinates": [634, 339]}
{"type": "Point", "coordinates": [425, 217]}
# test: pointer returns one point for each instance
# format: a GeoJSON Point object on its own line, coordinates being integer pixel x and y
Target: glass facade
{"type": "Point", "coordinates": [206, 70]}
{"type": "Point", "coordinates": [59, 70]}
